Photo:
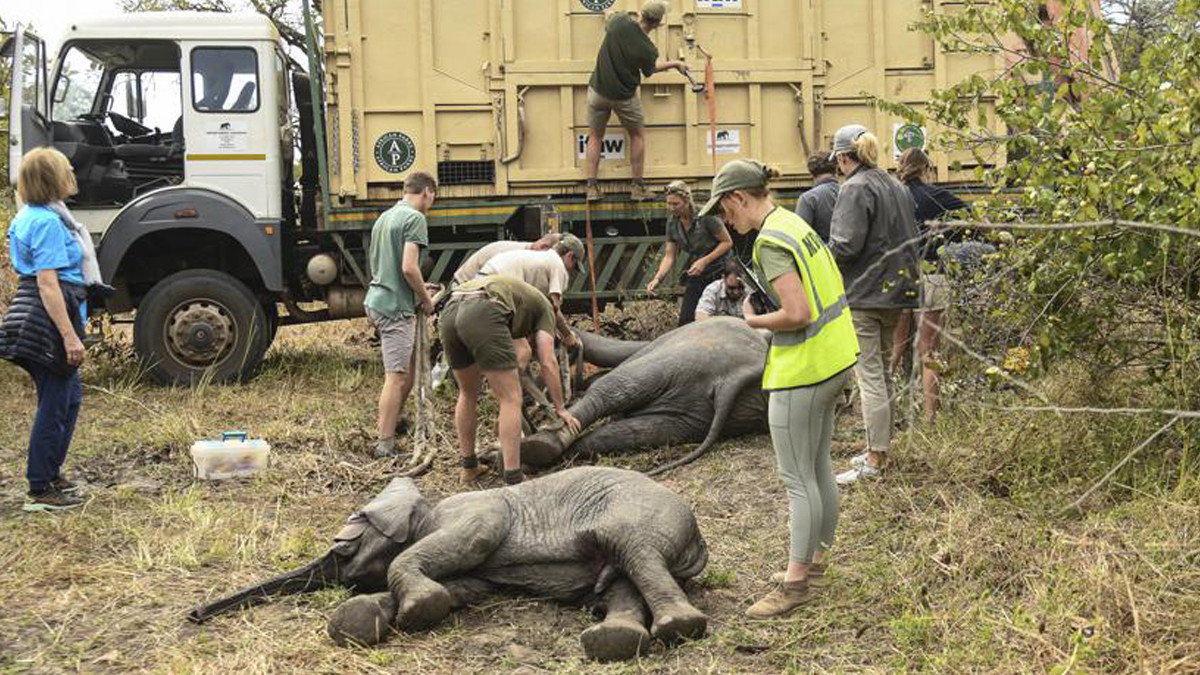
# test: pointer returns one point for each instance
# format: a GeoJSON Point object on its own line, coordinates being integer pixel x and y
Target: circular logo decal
{"type": "Point", "coordinates": [909, 136]}
{"type": "Point", "coordinates": [597, 5]}
{"type": "Point", "coordinates": [395, 152]}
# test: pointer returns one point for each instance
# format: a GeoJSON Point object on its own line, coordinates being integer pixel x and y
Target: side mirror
{"type": "Point", "coordinates": [60, 92]}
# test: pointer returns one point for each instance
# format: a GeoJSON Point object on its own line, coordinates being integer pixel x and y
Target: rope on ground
{"type": "Point", "coordinates": [424, 434]}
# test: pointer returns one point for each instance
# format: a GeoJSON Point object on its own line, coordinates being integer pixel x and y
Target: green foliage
{"type": "Point", "coordinates": [1087, 141]}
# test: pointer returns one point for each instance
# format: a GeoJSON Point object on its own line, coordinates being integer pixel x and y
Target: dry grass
{"type": "Point", "coordinates": [954, 563]}
{"type": "Point", "coordinates": [958, 562]}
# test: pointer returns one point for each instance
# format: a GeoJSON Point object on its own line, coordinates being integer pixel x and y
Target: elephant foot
{"type": "Point", "coordinates": [364, 620]}
{"type": "Point", "coordinates": [542, 449]}
{"type": "Point", "coordinates": [681, 622]}
{"type": "Point", "coordinates": [424, 606]}
{"type": "Point", "coordinates": [615, 640]}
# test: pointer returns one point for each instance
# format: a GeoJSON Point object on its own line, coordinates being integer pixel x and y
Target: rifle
{"type": "Point", "coordinates": [760, 299]}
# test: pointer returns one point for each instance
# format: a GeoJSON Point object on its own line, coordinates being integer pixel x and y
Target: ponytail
{"type": "Point", "coordinates": [866, 150]}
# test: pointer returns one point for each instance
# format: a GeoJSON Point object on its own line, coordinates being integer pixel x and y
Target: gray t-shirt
{"type": "Point", "coordinates": [816, 206]}
{"type": "Point", "coordinates": [699, 240]}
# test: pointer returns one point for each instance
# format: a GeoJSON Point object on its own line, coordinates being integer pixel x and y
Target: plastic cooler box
{"type": "Point", "coordinates": [233, 456]}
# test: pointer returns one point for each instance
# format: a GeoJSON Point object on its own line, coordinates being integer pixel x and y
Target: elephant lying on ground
{"type": "Point", "coordinates": [588, 534]}
{"type": "Point", "coordinates": [697, 384]}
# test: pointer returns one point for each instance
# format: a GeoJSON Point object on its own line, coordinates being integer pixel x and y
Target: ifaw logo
{"type": "Point", "coordinates": [612, 147]}
{"type": "Point", "coordinates": [597, 5]}
{"type": "Point", "coordinates": [395, 152]}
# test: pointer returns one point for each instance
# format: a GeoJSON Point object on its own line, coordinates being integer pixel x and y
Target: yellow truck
{"type": "Point", "coordinates": [230, 191]}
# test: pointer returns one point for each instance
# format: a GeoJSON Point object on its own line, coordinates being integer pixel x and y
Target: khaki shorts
{"type": "Point", "coordinates": [395, 340]}
{"type": "Point", "coordinates": [935, 292]}
{"type": "Point", "coordinates": [475, 331]}
{"type": "Point", "coordinates": [600, 109]}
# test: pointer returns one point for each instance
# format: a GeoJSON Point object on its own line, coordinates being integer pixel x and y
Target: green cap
{"type": "Point", "coordinates": [740, 174]}
{"type": "Point", "coordinates": [572, 242]}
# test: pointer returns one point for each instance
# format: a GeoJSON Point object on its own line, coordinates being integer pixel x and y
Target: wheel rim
{"type": "Point", "coordinates": [200, 333]}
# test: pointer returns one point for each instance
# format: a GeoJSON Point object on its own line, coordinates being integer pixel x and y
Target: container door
{"type": "Point", "coordinates": [24, 58]}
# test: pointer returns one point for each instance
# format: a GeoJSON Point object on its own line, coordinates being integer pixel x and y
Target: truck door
{"type": "Point", "coordinates": [232, 139]}
{"type": "Point", "coordinates": [24, 57]}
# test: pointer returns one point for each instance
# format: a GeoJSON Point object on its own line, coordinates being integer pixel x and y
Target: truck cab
{"type": "Point", "coordinates": [177, 126]}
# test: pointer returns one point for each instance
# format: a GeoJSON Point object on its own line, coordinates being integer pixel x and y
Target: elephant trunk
{"type": "Point", "coordinates": [606, 352]}
{"type": "Point", "coordinates": [314, 576]}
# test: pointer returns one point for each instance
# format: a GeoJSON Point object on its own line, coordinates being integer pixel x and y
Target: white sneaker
{"type": "Point", "coordinates": [859, 460]}
{"type": "Point", "coordinates": [856, 474]}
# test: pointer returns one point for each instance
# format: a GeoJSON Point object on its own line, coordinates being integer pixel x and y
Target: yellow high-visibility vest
{"type": "Point", "coordinates": [828, 345]}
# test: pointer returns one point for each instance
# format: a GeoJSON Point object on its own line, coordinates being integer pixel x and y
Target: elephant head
{"type": "Point", "coordinates": [358, 559]}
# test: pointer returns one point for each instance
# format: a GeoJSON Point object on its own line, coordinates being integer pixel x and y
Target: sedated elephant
{"type": "Point", "coordinates": [596, 534]}
{"type": "Point", "coordinates": [697, 384]}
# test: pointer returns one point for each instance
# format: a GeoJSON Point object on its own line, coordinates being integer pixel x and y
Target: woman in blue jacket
{"type": "Point", "coordinates": [43, 327]}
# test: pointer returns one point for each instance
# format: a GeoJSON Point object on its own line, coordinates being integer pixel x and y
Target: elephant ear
{"type": "Point", "coordinates": [397, 509]}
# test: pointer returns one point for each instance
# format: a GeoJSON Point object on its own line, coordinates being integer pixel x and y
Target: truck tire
{"type": "Point", "coordinates": [198, 322]}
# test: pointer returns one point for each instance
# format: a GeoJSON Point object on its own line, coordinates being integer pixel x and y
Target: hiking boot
{"type": "Point", "coordinates": [781, 601]}
{"type": "Point", "coordinates": [816, 576]}
{"type": "Point", "coordinates": [593, 192]}
{"type": "Point", "coordinates": [859, 459]}
{"type": "Point", "coordinates": [640, 193]}
{"type": "Point", "coordinates": [864, 472]}
{"type": "Point", "coordinates": [63, 485]}
{"type": "Point", "coordinates": [403, 425]}
{"type": "Point", "coordinates": [473, 474]}
{"type": "Point", "coordinates": [51, 500]}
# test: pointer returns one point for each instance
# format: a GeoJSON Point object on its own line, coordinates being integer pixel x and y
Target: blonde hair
{"type": "Point", "coordinates": [678, 188]}
{"type": "Point", "coordinates": [866, 150]}
{"type": "Point", "coordinates": [914, 163]}
{"type": "Point", "coordinates": [45, 176]}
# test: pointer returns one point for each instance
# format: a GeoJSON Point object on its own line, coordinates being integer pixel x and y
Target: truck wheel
{"type": "Point", "coordinates": [198, 321]}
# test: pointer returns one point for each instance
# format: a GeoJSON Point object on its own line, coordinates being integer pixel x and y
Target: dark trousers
{"type": "Point", "coordinates": [58, 398]}
{"type": "Point", "coordinates": [691, 297]}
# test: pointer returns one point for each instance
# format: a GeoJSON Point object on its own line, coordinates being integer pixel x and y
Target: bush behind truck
{"type": "Point", "coordinates": [181, 131]}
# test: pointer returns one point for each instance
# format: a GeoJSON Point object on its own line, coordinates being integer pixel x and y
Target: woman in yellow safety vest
{"type": "Point", "coordinates": [813, 349]}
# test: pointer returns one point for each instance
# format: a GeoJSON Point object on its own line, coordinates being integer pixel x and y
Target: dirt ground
{"type": "Point", "coordinates": [946, 566]}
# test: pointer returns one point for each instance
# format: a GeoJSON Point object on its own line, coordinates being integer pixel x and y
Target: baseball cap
{"type": "Point", "coordinates": [740, 174]}
{"type": "Point", "coordinates": [843, 140]}
{"type": "Point", "coordinates": [654, 10]}
{"type": "Point", "coordinates": [572, 242]}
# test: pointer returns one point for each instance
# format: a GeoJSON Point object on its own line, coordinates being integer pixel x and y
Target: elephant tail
{"type": "Point", "coordinates": [316, 575]}
{"type": "Point", "coordinates": [725, 399]}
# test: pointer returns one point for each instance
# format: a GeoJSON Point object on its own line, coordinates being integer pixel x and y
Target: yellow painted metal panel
{"type": "Point", "coordinates": [451, 75]}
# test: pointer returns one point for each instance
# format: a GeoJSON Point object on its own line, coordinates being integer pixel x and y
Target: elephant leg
{"type": "Point", "coordinates": [450, 552]}
{"type": "Point", "coordinates": [364, 620]}
{"type": "Point", "coordinates": [622, 635]}
{"type": "Point", "coordinates": [633, 433]}
{"type": "Point", "coordinates": [467, 591]}
{"type": "Point", "coordinates": [674, 616]}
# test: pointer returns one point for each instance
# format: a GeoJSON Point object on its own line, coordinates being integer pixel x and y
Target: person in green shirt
{"type": "Point", "coordinates": [478, 328]}
{"type": "Point", "coordinates": [626, 55]}
{"type": "Point", "coordinates": [396, 294]}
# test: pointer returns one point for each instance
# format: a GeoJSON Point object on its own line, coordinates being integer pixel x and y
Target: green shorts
{"type": "Point", "coordinates": [475, 330]}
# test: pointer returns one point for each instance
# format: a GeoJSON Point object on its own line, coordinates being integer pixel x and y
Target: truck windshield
{"type": "Point", "coordinates": [77, 84]}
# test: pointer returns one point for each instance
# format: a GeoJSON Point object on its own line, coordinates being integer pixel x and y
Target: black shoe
{"type": "Point", "coordinates": [51, 500]}
{"type": "Point", "coordinates": [63, 485]}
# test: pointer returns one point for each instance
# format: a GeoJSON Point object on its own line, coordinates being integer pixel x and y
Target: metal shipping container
{"type": "Point", "coordinates": [491, 93]}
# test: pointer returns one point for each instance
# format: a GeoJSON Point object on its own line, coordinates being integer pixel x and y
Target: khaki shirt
{"type": "Point", "coordinates": [544, 270]}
